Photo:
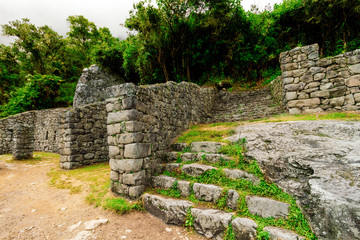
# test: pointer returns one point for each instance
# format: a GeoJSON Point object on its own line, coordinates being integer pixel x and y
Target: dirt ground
{"type": "Point", "coordinates": [31, 209]}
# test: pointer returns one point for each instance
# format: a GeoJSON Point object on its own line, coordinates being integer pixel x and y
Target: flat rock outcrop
{"type": "Point", "coordinates": [318, 162]}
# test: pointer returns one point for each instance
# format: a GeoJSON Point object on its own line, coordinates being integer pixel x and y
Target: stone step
{"type": "Point", "coordinates": [207, 147]}
{"type": "Point", "coordinates": [267, 207]}
{"type": "Point", "coordinates": [261, 206]}
{"type": "Point", "coordinates": [171, 211]}
{"type": "Point", "coordinates": [191, 156]}
{"type": "Point", "coordinates": [277, 233]}
{"type": "Point", "coordinates": [212, 223]}
{"type": "Point", "coordinates": [196, 170]}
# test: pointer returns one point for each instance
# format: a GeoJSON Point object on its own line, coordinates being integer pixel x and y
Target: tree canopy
{"type": "Point", "coordinates": [202, 41]}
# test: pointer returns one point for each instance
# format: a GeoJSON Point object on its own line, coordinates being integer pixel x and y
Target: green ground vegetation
{"type": "Point", "coordinates": [296, 221]}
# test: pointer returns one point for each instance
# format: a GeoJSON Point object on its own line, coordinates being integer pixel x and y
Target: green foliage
{"type": "Point", "coordinates": [38, 93]}
{"type": "Point", "coordinates": [120, 205]}
{"type": "Point", "coordinates": [195, 134]}
{"type": "Point", "coordinates": [189, 220]}
{"type": "Point", "coordinates": [229, 233]}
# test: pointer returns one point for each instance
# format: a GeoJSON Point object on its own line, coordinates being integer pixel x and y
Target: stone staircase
{"type": "Point", "coordinates": [245, 105]}
{"type": "Point", "coordinates": [210, 221]}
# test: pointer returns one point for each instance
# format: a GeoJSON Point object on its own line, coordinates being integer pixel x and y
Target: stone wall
{"type": "Point", "coordinates": [312, 84]}
{"type": "Point", "coordinates": [143, 122]}
{"type": "Point", "coordinates": [83, 136]}
{"type": "Point", "coordinates": [44, 124]}
{"type": "Point", "coordinates": [23, 141]}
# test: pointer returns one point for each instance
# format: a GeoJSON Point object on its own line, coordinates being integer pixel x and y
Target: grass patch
{"type": "Point", "coordinates": [204, 133]}
{"type": "Point", "coordinates": [94, 180]}
{"type": "Point", "coordinates": [38, 158]}
{"type": "Point", "coordinates": [344, 116]}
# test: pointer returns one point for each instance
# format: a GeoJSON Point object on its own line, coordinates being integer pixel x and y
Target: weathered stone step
{"type": "Point", "coordinates": [207, 147]}
{"type": "Point", "coordinates": [171, 211]}
{"type": "Point", "coordinates": [191, 156]}
{"type": "Point", "coordinates": [261, 206]}
{"type": "Point", "coordinates": [212, 223]}
{"type": "Point", "coordinates": [196, 170]}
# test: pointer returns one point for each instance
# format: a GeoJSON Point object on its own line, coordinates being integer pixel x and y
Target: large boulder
{"type": "Point", "coordinates": [93, 84]}
{"type": "Point", "coordinates": [317, 162]}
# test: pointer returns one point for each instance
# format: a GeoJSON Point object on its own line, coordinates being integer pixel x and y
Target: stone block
{"type": "Point", "coordinates": [209, 147]}
{"type": "Point", "coordinates": [127, 138]}
{"type": "Point", "coordinates": [114, 151]}
{"type": "Point", "coordinates": [290, 96]}
{"type": "Point", "coordinates": [240, 174]}
{"type": "Point", "coordinates": [266, 207]}
{"type": "Point", "coordinates": [325, 62]}
{"type": "Point", "coordinates": [307, 64]}
{"type": "Point", "coordinates": [326, 86]}
{"type": "Point", "coordinates": [286, 74]}
{"type": "Point", "coordinates": [162, 181]}
{"type": "Point", "coordinates": [354, 59]}
{"type": "Point", "coordinates": [319, 76]}
{"type": "Point", "coordinates": [312, 85]}
{"type": "Point", "coordinates": [337, 92]}
{"type": "Point", "coordinates": [303, 95]}
{"type": "Point", "coordinates": [211, 223]}
{"type": "Point", "coordinates": [125, 115]}
{"type": "Point", "coordinates": [184, 187]}
{"type": "Point", "coordinates": [232, 199]}
{"type": "Point", "coordinates": [244, 228]}
{"type": "Point", "coordinates": [136, 191]}
{"type": "Point", "coordinates": [206, 192]}
{"type": "Point", "coordinates": [315, 70]}
{"type": "Point", "coordinates": [353, 81]}
{"type": "Point", "coordinates": [313, 56]}
{"type": "Point", "coordinates": [114, 129]}
{"type": "Point", "coordinates": [135, 126]}
{"type": "Point", "coordinates": [355, 68]}
{"type": "Point", "coordinates": [129, 102]}
{"type": "Point", "coordinates": [294, 110]}
{"type": "Point", "coordinates": [304, 103]}
{"type": "Point", "coordinates": [331, 74]}
{"type": "Point", "coordinates": [126, 165]}
{"type": "Point", "coordinates": [282, 234]}
{"type": "Point", "coordinates": [114, 176]}
{"type": "Point", "coordinates": [171, 167]}
{"type": "Point", "coordinates": [171, 211]}
{"type": "Point", "coordinates": [307, 78]}
{"type": "Point", "coordinates": [189, 156]}
{"type": "Point", "coordinates": [289, 67]}
{"type": "Point", "coordinates": [137, 178]}
{"type": "Point", "coordinates": [89, 156]}
{"type": "Point", "coordinates": [357, 97]}
{"type": "Point", "coordinates": [288, 80]}
{"type": "Point", "coordinates": [299, 72]}
{"type": "Point", "coordinates": [349, 99]}
{"type": "Point", "coordinates": [195, 169]}
{"type": "Point", "coordinates": [320, 94]}
{"type": "Point", "coordinates": [137, 150]}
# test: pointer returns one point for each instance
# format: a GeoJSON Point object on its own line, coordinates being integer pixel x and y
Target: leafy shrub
{"type": "Point", "coordinates": [39, 92]}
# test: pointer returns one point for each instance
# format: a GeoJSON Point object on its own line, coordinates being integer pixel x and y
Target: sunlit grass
{"type": "Point", "coordinates": [95, 181]}
{"type": "Point", "coordinates": [38, 158]}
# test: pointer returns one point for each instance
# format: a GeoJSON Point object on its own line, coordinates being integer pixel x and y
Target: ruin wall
{"type": "Point", "coordinates": [312, 84]}
{"type": "Point", "coordinates": [44, 125]}
{"type": "Point", "coordinates": [143, 121]}
{"type": "Point", "coordinates": [83, 136]}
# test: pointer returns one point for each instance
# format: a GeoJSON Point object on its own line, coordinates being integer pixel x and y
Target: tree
{"type": "Point", "coordinates": [37, 46]}
{"type": "Point", "coordinates": [83, 35]}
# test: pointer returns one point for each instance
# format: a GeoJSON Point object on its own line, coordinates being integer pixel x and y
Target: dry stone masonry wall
{"type": "Point", "coordinates": [143, 122]}
{"type": "Point", "coordinates": [44, 125]}
{"type": "Point", "coordinates": [83, 136]}
{"type": "Point", "coordinates": [23, 141]}
{"type": "Point", "coordinates": [312, 84]}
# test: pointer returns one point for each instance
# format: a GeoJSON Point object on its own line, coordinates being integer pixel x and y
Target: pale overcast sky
{"type": "Point", "coordinates": [104, 13]}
